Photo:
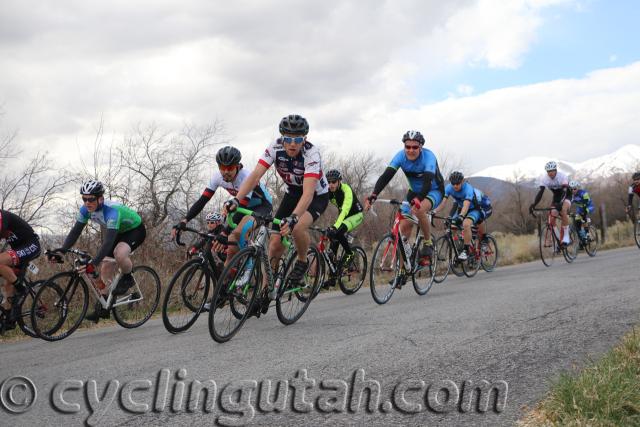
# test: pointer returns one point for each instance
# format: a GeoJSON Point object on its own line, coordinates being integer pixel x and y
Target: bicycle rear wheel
{"type": "Point", "coordinates": [294, 299]}
{"type": "Point", "coordinates": [489, 254]}
{"type": "Point", "coordinates": [185, 296]}
{"type": "Point", "coordinates": [591, 242]}
{"type": "Point", "coordinates": [385, 270]}
{"type": "Point", "coordinates": [141, 301]}
{"type": "Point", "coordinates": [443, 251]}
{"type": "Point", "coordinates": [235, 294]}
{"type": "Point", "coordinates": [354, 273]}
{"type": "Point", "coordinates": [548, 245]}
{"type": "Point", "coordinates": [58, 316]}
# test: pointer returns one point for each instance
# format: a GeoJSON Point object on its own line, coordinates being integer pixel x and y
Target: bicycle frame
{"type": "Point", "coordinates": [405, 253]}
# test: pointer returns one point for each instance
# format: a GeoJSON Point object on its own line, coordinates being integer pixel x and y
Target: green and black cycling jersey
{"type": "Point", "coordinates": [346, 201]}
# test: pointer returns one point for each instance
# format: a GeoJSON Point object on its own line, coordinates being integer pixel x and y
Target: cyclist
{"type": "Point", "coordinates": [25, 246]}
{"type": "Point", "coordinates": [230, 176]}
{"type": "Point", "coordinates": [215, 225]}
{"type": "Point", "coordinates": [425, 186]}
{"type": "Point", "coordinates": [299, 164]}
{"type": "Point", "coordinates": [350, 216]}
{"type": "Point", "coordinates": [125, 232]}
{"type": "Point", "coordinates": [584, 206]}
{"type": "Point", "coordinates": [558, 183]}
{"type": "Point", "coordinates": [634, 188]}
{"type": "Point", "coordinates": [472, 207]}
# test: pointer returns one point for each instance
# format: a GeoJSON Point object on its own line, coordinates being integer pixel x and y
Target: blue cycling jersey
{"type": "Point", "coordinates": [467, 192]}
{"type": "Point", "coordinates": [582, 199]}
{"type": "Point", "coordinates": [415, 170]}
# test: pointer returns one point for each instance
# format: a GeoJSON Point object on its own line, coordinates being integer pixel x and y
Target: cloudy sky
{"type": "Point", "coordinates": [490, 81]}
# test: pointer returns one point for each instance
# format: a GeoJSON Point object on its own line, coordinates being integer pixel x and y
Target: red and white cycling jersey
{"type": "Point", "coordinates": [294, 170]}
{"type": "Point", "coordinates": [634, 189]}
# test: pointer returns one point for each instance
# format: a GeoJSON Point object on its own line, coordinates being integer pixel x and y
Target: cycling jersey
{"type": "Point", "coordinates": [293, 170]}
{"type": "Point", "coordinates": [112, 215]}
{"type": "Point", "coordinates": [15, 230]}
{"type": "Point", "coordinates": [415, 170]}
{"type": "Point", "coordinates": [24, 242]}
{"type": "Point", "coordinates": [254, 198]}
{"type": "Point", "coordinates": [467, 192]}
{"type": "Point", "coordinates": [558, 185]}
{"type": "Point", "coordinates": [582, 199]}
{"type": "Point", "coordinates": [346, 201]}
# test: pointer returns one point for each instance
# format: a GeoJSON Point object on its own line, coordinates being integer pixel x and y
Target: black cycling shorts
{"type": "Point", "coordinates": [133, 238]}
{"type": "Point", "coordinates": [290, 201]}
{"type": "Point", "coordinates": [27, 251]}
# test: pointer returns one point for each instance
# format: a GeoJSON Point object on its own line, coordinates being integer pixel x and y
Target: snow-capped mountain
{"type": "Point", "coordinates": [624, 160]}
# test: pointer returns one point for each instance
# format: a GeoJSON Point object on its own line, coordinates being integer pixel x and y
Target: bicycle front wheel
{"type": "Point", "coordinates": [591, 242]}
{"type": "Point", "coordinates": [24, 321]}
{"type": "Point", "coordinates": [294, 298]}
{"type": "Point", "coordinates": [385, 270]}
{"type": "Point", "coordinates": [472, 265]}
{"type": "Point", "coordinates": [354, 272]}
{"type": "Point", "coordinates": [443, 255]}
{"type": "Point", "coordinates": [185, 296]}
{"type": "Point", "coordinates": [56, 316]}
{"type": "Point", "coordinates": [235, 294]}
{"type": "Point", "coordinates": [636, 232]}
{"type": "Point", "coordinates": [548, 246]}
{"type": "Point", "coordinates": [489, 253]}
{"type": "Point", "coordinates": [570, 251]}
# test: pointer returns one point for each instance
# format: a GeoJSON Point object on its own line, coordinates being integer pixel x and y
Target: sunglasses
{"type": "Point", "coordinates": [295, 139]}
{"type": "Point", "coordinates": [332, 182]}
{"type": "Point", "coordinates": [411, 147]}
{"type": "Point", "coordinates": [224, 168]}
{"type": "Point", "coordinates": [89, 199]}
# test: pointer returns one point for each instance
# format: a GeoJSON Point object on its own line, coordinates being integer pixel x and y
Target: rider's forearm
{"type": "Point", "coordinates": [73, 235]}
{"type": "Point", "coordinates": [346, 206]}
{"type": "Point", "coordinates": [197, 207]}
{"type": "Point", "coordinates": [538, 196]}
{"type": "Point", "coordinates": [384, 179]}
{"type": "Point", "coordinates": [107, 245]}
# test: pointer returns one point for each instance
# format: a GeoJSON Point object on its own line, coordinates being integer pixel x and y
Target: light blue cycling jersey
{"type": "Point", "coordinates": [415, 170]}
{"type": "Point", "coordinates": [112, 215]}
{"type": "Point", "coordinates": [467, 192]}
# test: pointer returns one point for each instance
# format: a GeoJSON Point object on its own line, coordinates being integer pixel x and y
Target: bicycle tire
{"type": "Point", "coordinates": [67, 307]}
{"type": "Point", "coordinates": [358, 265]}
{"type": "Point", "coordinates": [457, 267]}
{"type": "Point", "coordinates": [636, 232]}
{"type": "Point", "coordinates": [547, 245]}
{"type": "Point", "coordinates": [570, 251]}
{"type": "Point", "coordinates": [385, 265]}
{"type": "Point", "coordinates": [591, 246]}
{"type": "Point", "coordinates": [489, 257]}
{"type": "Point", "coordinates": [295, 297]}
{"type": "Point", "coordinates": [472, 265]}
{"type": "Point", "coordinates": [181, 309]}
{"type": "Point", "coordinates": [246, 265]}
{"type": "Point", "coordinates": [443, 250]}
{"type": "Point", "coordinates": [26, 305]}
{"type": "Point", "coordinates": [144, 297]}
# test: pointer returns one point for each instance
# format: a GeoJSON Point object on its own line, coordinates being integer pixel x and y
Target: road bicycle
{"type": "Point", "coordinates": [68, 309]}
{"type": "Point", "coordinates": [550, 238]}
{"type": "Point", "coordinates": [190, 287]}
{"type": "Point", "coordinates": [241, 288]}
{"type": "Point", "coordinates": [589, 241]}
{"type": "Point", "coordinates": [25, 290]}
{"type": "Point", "coordinates": [448, 247]}
{"type": "Point", "coordinates": [395, 260]}
{"type": "Point", "coordinates": [350, 273]}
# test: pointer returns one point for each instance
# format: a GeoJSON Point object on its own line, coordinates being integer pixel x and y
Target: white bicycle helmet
{"type": "Point", "coordinates": [551, 166]}
{"type": "Point", "coordinates": [214, 216]}
{"type": "Point", "coordinates": [92, 187]}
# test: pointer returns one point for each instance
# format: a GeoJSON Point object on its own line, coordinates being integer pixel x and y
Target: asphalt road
{"type": "Point", "coordinates": [516, 328]}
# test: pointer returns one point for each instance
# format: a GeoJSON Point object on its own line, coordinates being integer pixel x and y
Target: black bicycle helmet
{"type": "Point", "coordinates": [456, 177]}
{"type": "Point", "coordinates": [636, 176]}
{"type": "Point", "coordinates": [294, 124]}
{"type": "Point", "coordinates": [334, 175]}
{"type": "Point", "coordinates": [413, 135]}
{"type": "Point", "coordinates": [228, 156]}
{"type": "Point", "coordinates": [92, 187]}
